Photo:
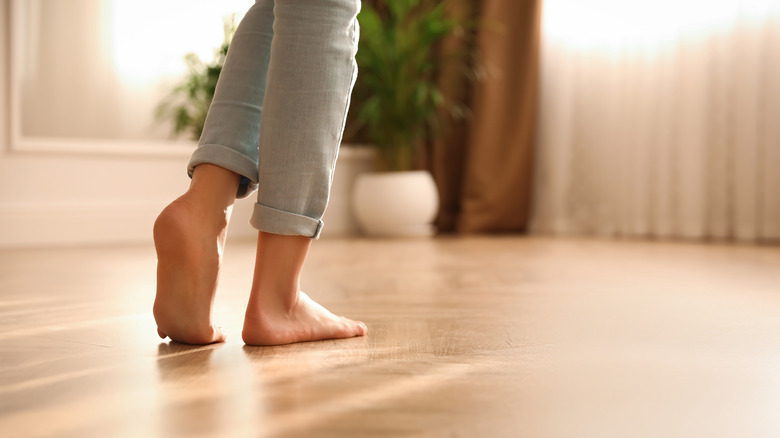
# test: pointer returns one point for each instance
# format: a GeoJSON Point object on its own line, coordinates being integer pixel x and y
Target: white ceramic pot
{"type": "Point", "coordinates": [339, 218]}
{"type": "Point", "coordinates": [396, 204]}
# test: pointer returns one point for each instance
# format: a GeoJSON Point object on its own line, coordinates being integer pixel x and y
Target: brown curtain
{"type": "Point", "coordinates": [483, 165]}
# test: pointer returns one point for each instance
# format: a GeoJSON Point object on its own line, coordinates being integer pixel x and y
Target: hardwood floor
{"type": "Point", "coordinates": [469, 337]}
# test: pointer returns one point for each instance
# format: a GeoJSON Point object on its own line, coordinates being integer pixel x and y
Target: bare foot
{"type": "Point", "coordinates": [278, 313]}
{"type": "Point", "coordinates": [306, 321]}
{"type": "Point", "coordinates": [189, 236]}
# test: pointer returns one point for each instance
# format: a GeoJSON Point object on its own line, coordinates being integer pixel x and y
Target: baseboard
{"type": "Point", "coordinates": [76, 223]}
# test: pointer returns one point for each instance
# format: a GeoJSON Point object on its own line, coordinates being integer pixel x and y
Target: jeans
{"type": "Point", "coordinates": [279, 108]}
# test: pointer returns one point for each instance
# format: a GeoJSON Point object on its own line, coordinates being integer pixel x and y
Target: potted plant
{"type": "Point", "coordinates": [397, 105]}
{"type": "Point", "coordinates": [188, 103]}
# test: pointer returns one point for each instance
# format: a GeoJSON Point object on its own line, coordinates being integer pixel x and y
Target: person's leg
{"type": "Point", "coordinates": [190, 233]}
{"type": "Point", "coordinates": [310, 78]}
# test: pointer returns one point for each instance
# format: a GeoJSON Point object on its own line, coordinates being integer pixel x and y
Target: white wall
{"type": "Point", "coordinates": [67, 198]}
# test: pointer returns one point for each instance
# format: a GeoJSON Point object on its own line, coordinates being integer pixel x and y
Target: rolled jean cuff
{"type": "Point", "coordinates": [272, 220]}
{"type": "Point", "coordinates": [229, 159]}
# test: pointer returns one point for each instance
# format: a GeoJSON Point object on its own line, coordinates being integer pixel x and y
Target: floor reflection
{"type": "Point", "coordinates": [200, 393]}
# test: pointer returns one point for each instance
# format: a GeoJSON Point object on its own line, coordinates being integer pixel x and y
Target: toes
{"type": "Point", "coordinates": [196, 337]}
{"type": "Point", "coordinates": [204, 337]}
{"type": "Point", "coordinates": [219, 335]}
{"type": "Point", "coordinates": [352, 328]}
{"type": "Point", "coordinates": [362, 328]}
{"type": "Point", "coordinates": [355, 328]}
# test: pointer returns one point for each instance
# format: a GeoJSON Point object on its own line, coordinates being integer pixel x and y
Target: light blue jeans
{"type": "Point", "coordinates": [279, 109]}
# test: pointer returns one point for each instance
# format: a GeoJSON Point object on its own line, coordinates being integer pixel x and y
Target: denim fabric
{"type": "Point", "coordinates": [279, 108]}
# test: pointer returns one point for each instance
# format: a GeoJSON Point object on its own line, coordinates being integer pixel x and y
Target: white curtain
{"type": "Point", "coordinates": [660, 118]}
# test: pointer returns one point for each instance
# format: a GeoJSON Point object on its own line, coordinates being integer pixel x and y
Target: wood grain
{"type": "Point", "coordinates": [469, 337]}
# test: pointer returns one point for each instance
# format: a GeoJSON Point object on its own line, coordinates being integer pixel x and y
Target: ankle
{"type": "Point", "coordinates": [278, 265]}
{"type": "Point", "coordinates": [274, 299]}
{"type": "Point", "coordinates": [211, 212]}
{"type": "Point", "coordinates": [214, 186]}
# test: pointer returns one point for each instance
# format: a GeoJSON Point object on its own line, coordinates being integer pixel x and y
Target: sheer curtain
{"type": "Point", "coordinates": [660, 119]}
